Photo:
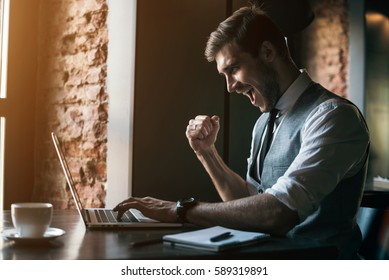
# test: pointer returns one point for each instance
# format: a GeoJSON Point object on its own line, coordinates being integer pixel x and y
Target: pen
{"type": "Point", "coordinates": [220, 237]}
{"type": "Point", "coordinates": [144, 242]}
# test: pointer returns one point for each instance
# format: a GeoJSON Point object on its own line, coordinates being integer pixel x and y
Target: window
{"type": "Point", "coordinates": [4, 12]}
{"type": "Point", "coordinates": [377, 91]}
{"type": "Point", "coordinates": [17, 100]}
{"type": "Point", "coordinates": [121, 65]}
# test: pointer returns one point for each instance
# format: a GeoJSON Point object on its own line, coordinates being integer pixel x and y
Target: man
{"type": "Point", "coordinates": [310, 182]}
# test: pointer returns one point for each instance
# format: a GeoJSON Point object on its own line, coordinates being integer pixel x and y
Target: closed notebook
{"type": "Point", "coordinates": [214, 238]}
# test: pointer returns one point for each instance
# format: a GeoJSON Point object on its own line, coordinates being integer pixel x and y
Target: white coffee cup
{"type": "Point", "coordinates": [31, 219]}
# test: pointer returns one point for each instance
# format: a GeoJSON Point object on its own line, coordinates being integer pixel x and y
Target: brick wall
{"type": "Point", "coordinates": [324, 45]}
{"type": "Point", "coordinates": [72, 100]}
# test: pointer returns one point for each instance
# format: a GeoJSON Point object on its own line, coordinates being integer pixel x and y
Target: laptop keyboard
{"type": "Point", "coordinates": [109, 216]}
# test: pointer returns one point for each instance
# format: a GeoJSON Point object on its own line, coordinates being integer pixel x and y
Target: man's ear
{"type": "Point", "coordinates": [267, 51]}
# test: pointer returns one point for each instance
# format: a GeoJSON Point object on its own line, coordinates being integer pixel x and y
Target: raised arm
{"type": "Point", "coordinates": [202, 134]}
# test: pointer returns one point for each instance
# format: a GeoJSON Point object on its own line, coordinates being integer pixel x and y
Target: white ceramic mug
{"type": "Point", "coordinates": [31, 219]}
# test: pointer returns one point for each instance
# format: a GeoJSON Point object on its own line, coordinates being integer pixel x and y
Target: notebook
{"type": "Point", "coordinates": [103, 217]}
{"type": "Point", "coordinates": [214, 239]}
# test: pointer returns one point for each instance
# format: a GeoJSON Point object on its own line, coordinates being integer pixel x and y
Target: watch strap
{"type": "Point", "coordinates": [182, 206]}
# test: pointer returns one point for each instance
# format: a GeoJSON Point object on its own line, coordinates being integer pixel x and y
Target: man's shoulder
{"type": "Point", "coordinates": [318, 95]}
{"type": "Point", "coordinates": [321, 92]}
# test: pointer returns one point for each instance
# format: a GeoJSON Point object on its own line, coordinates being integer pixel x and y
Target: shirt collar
{"type": "Point", "coordinates": [289, 98]}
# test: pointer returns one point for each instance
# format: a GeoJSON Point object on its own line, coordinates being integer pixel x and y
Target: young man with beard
{"type": "Point", "coordinates": [311, 181]}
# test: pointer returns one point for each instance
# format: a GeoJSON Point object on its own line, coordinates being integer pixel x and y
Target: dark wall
{"type": "Point", "coordinates": [173, 84]}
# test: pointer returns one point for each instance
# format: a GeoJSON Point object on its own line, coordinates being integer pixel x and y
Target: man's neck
{"type": "Point", "coordinates": [288, 73]}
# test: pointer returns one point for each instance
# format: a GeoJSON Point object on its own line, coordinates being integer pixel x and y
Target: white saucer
{"type": "Point", "coordinates": [51, 233]}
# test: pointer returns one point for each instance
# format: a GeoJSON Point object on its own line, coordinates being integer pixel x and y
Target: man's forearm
{"type": "Point", "coordinates": [228, 183]}
{"type": "Point", "coordinates": [262, 213]}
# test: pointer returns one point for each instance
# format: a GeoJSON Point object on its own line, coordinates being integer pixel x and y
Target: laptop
{"type": "Point", "coordinates": [103, 217]}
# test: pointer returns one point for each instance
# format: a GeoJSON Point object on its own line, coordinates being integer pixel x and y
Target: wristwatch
{"type": "Point", "coordinates": [182, 206]}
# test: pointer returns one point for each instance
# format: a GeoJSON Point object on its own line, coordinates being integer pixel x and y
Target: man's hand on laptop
{"type": "Point", "coordinates": [160, 210]}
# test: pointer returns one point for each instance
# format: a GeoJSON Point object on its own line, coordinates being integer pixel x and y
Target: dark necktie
{"type": "Point", "coordinates": [268, 138]}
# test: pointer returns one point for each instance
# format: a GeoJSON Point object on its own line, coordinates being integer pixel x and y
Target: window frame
{"type": "Point", "coordinates": [4, 28]}
{"type": "Point", "coordinates": [120, 85]}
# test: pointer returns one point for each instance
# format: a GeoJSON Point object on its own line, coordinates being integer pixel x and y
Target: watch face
{"type": "Point", "coordinates": [187, 200]}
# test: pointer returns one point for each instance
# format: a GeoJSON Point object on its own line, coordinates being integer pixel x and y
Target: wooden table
{"type": "Point", "coordinates": [80, 243]}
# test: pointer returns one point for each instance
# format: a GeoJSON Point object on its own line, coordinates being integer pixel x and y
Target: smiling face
{"type": "Point", "coordinates": [251, 76]}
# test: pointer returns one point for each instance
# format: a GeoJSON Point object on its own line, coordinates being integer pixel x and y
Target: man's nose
{"type": "Point", "coordinates": [231, 84]}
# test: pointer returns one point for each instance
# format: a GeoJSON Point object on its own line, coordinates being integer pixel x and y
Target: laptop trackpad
{"type": "Point", "coordinates": [140, 217]}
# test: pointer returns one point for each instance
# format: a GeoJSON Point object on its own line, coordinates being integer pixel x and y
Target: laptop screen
{"type": "Point", "coordinates": [68, 175]}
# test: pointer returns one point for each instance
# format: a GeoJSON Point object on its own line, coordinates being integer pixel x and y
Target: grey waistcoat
{"type": "Point", "coordinates": [323, 224]}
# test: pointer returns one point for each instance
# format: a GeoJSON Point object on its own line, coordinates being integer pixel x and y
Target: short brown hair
{"type": "Point", "coordinates": [248, 27]}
